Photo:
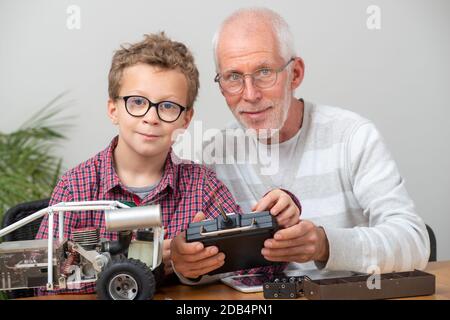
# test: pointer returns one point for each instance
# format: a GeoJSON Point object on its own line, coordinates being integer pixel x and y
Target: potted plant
{"type": "Point", "coordinates": [29, 169]}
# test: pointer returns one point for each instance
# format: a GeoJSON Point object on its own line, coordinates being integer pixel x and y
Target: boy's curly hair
{"type": "Point", "coordinates": [155, 50]}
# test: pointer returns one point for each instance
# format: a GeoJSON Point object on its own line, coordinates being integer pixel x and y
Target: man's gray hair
{"type": "Point", "coordinates": [279, 26]}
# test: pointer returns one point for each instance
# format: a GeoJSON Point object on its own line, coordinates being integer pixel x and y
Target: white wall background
{"type": "Point", "coordinates": [398, 76]}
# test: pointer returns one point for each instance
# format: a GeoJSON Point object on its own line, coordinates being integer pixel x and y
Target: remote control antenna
{"type": "Point", "coordinates": [222, 212]}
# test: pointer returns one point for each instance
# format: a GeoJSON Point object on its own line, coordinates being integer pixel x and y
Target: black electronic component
{"type": "Point", "coordinates": [144, 235]}
{"type": "Point", "coordinates": [390, 285]}
{"type": "Point", "coordinates": [283, 287]}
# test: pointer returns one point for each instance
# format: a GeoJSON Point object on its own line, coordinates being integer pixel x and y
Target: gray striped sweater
{"type": "Point", "coordinates": [347, 181]}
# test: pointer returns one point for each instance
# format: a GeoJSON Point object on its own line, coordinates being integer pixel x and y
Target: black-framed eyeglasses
{"type": "Point", "coordinates": [138, 106]}
{"type": "Point", "coordinates": [233, 82]}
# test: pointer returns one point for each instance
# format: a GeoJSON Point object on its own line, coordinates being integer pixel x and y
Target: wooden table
{"type": "Point", "coordinates": [219, 291]}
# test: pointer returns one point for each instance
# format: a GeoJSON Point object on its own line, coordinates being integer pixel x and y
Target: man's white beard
{"type": "Point", "coordinates": [274, 123]}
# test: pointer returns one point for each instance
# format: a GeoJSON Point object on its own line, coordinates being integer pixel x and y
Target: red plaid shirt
{"type": "Point", "coordinates": [181, 193]}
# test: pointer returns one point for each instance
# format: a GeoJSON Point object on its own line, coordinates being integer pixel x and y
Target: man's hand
{"type": "Point", "coordinates": [166, 257]}
{"type": "Point", "coordinates": [300, 243]}
{"type": "Point", "coordinates": [281, 206]}
{"type": "Point", "coordinates": [192, 259]}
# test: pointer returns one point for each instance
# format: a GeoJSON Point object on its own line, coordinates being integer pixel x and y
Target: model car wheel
{"type": "Point", "coordinates": [126, 279]}
{"type": "Point", "coordinates": [159, 275]}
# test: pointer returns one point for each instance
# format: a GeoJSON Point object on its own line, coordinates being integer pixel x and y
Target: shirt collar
{"type": "Point", "coordinates": [169, 178]}
{"type": "Point", "coordinates": [109, 178]}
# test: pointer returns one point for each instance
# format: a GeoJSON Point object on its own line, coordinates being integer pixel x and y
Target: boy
{"type": "Point", "coordinates": [152, 88]}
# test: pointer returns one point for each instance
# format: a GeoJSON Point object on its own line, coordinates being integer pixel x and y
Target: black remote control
{"type": "Point", "coordinates": [239, 237]}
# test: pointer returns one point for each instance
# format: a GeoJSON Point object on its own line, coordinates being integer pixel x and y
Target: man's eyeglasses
{"type": "Point", "coordinates": [138, 106]}
{"type": "Point", "coordinates": [233, 82]}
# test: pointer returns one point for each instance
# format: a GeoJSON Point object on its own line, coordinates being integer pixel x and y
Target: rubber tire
{"type": "Point", "coordinates": [159, 275]}
{"type": "Point", "coordinates": [136, 269]}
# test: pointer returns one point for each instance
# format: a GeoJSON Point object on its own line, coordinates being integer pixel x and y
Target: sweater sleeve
{"type": "Point", "coordinates": [396, 238]}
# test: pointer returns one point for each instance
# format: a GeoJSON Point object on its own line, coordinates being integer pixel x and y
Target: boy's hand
{"type": "Point", "coordinates": [166, 257]}
{"type": "Point", "coordinates": [192, 260]}
{"type": "Point", "coordinates": [281, 206]}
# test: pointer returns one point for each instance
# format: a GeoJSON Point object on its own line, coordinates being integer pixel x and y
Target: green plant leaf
{"type": "Point", "coordinates": [29, 170]}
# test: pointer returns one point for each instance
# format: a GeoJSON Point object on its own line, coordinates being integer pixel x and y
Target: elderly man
{"type": "Point", "coordinates": [356, 212]}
